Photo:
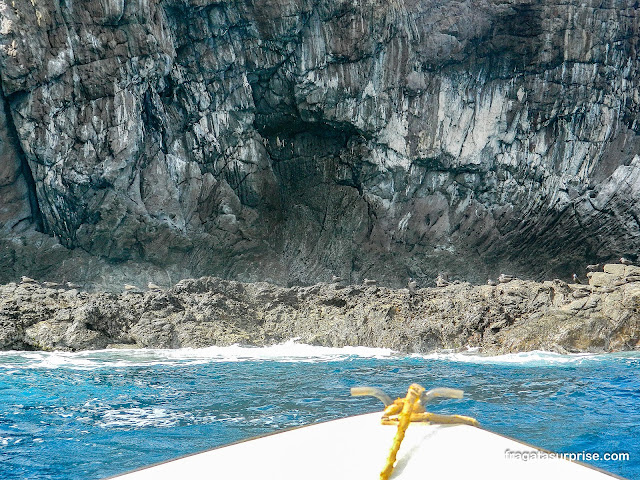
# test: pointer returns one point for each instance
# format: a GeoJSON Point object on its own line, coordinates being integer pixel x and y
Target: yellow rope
{"type": "Point", "coordinates": [403, 411]}
{"type": "Point", "coordinates": [404, 418]}
{"type": "Point", "coordinates": [428, 417]}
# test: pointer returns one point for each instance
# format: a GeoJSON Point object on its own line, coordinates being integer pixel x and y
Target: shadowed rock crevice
{"type": "Point", "coordinates": [36, 215]}
{"type": "Point", "coordinates": [13, 157]}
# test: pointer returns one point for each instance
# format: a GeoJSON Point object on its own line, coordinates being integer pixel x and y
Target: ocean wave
{"type": "Point", "coordinates": [533, 358]}
{"type": "Point", "coordinates": [290, 351]}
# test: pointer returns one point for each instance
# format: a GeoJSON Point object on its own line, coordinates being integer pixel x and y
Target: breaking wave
{"type": "Point", "coordinates": [290, 351]}
{"type": "Point", "coordinates": [535, 358]}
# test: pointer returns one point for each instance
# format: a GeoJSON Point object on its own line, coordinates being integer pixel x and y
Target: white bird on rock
{"type": "Point", "coordinates": [441, 281]}
{"type": "Point", "coordinates": [412, 286]}
{"type": "Point", "coordinates": [368, 281]}
{"type": "Point", "coordinates": [504, 278]}
{"type": "Point", "coordinates": [153, 286]}
{"type": "Point", "coordinates": [625, 261]}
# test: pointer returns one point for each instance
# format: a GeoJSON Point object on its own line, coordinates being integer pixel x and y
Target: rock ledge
{"type": "Point", "coordinates": [515, 316]}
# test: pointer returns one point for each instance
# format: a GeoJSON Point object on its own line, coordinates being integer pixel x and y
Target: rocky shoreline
{"type": "Point", "coordinates": [515, 316]}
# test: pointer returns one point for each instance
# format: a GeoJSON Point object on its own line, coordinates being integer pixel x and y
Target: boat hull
{"type": "Point", "coordinates": [357, 447]}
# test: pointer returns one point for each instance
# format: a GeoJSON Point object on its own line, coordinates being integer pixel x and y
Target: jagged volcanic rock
{"type": "Point", "coordinates": [290, 140]}
{"type": "Point", "coordinates": [510, 317]}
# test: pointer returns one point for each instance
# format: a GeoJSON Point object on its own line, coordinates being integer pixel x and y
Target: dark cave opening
{"type": "Point", "coordinates": [25, 169]}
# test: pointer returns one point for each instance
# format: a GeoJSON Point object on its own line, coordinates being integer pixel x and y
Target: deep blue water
{"type": "Point", "coordinates": [90, 415]}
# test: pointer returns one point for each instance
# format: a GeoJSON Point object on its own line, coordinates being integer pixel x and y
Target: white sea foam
{"type": "Point", "coordinates": [533, 358]}
{"type": "Point", "coordinates": [143, 417]}
{"type": "Point", "coordinates": [290, 351]}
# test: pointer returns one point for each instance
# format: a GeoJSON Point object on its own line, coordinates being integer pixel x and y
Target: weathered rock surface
{"type": "Point", "coordinates": [511, 317]}
{"type": "Point", "coordinates": [289, 140]}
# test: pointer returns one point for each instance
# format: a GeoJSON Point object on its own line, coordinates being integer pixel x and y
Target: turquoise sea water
{"type": "Point", "coordinates": [93, 414]}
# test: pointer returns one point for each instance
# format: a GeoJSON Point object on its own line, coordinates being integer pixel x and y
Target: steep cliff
{"type": "Point", "coordinates": [289, 140]}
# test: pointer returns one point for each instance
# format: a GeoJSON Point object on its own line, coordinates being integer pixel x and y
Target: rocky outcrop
{"type": "Point", "coordinates": [290, 140]}
{"type": "Point", "coordinates": [510, 317]}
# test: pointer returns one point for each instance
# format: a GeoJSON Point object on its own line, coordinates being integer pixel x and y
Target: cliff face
{"type": "Point", "coordinates": [289, 140]}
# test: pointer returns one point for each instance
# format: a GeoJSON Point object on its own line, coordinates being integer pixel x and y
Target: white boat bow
{"type": "Point", "coordinates": [356, 448]}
